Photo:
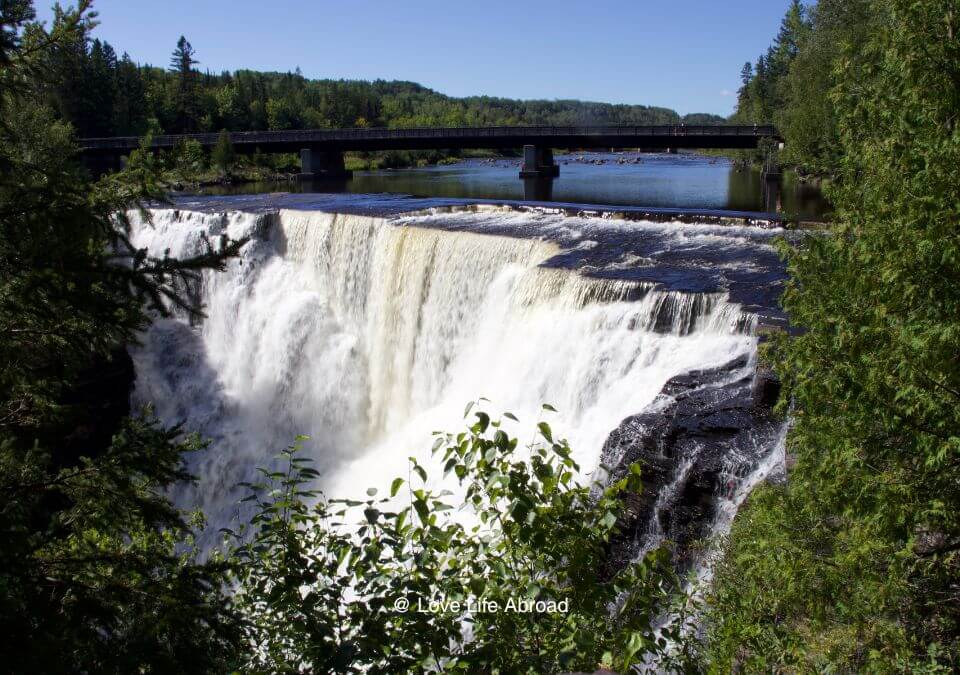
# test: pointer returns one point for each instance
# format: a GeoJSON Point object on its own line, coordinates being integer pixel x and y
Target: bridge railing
{"type": "Point", "coordinates": [521, 133]}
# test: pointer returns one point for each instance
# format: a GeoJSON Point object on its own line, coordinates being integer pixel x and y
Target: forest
{"type": "Point", "coordinates": [102, 94]}
{"type": "Point", "coordinates": [852, 565]}
{"type": "Point", "coordinates": [793, 84]}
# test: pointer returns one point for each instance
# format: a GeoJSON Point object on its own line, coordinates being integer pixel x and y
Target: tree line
{"type": "Point", "coordinates": [853, 563]}
{"type": "Point", "coordinates": [791, 84]}
{"type": "Point", "coordinates": [103, 94]}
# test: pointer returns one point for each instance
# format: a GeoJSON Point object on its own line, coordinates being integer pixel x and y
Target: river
{"type": "Point", "coordinates": [655, 180]}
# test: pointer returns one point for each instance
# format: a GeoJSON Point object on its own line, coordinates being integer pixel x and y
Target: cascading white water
{"type": "Point", "coordinates": [367, 335]}
{"type": "Point", "coordinates": [740, 476]}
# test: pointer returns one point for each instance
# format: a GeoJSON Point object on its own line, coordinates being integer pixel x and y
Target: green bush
{"type": "Point", "coordinates": [324, 582]}
{"type": "Point", "coordinates": [855, 564]}
{"type": "Point", "coordinates": [223, 156]}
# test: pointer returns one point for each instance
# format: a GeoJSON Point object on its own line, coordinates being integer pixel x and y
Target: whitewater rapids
{"type": "Point", "coordinates": [369, 333]}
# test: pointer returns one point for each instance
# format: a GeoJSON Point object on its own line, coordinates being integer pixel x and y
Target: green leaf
{"type": "Point", "coordinates": [448, 467]}
{"type": "Point", "coordinates": [483, 422]}
{"type": "Point", "coordinates": [423, 510]}
{"type": "Point", "coordinates": [545, 431]}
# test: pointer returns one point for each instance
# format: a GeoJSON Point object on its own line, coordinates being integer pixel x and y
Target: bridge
{"type": "Point", "coordinates": [321, 150]}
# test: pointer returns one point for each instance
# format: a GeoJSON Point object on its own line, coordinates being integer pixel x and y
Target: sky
{"type": "Point", "coordinates": [680, 54]}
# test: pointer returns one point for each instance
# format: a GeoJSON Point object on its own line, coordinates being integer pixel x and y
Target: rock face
{"type": "Point", "coordinates": [707, 430]}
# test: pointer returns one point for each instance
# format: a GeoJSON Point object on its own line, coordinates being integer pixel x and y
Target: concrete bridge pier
{"type": "Point", "coordinates": [539, 189]}
{"type": "Point", "coordinates": [772, 178]}
{"type": "Point", "coordinates": [322, 164]}
{"type": "Point", "coordinates": [772, 193]}
{"type": "Point", "coordinates": [538, 163]}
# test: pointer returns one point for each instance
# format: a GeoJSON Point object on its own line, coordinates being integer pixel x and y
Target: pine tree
{"type": "Point", "coordinates": [100, 91]}
{"type": "Point", "coordinates": [760, 108]}
{"type": "Point", "coordinates": [746, 73]}
{"type": "Point", "coordinates": [96, 565]}
{"type": "Point", "coordinates": [186, 92]}
{"type": "Point", "coordinates": [131, 109]}
{"type": "Point", "coordinates": [182, 62]}
{"type": "Point", "coordinates": [785, 47]}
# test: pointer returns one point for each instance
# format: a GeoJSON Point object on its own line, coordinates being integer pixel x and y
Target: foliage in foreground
{"type": "Point", "coordinates": [96, 568]}
{"type": "Point", "coordinates": [854, 565]}
{"type": "Point", "coordinates": [323, 595]}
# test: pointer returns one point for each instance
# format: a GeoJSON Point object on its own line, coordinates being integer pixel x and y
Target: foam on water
{"type": "Point", "coordinates": [367, 334]}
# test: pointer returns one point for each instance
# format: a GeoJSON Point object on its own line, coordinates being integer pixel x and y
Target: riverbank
{"type": "Point", "coordinates": [408, 159]}
{"type": "Point", "coordinates": [286, 168]}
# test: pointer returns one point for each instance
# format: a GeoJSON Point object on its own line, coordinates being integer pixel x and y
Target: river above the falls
{"type": "Point", "coordinates": [654, 180]}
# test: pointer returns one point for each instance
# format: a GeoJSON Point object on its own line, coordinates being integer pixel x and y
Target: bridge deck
{"type": "Point", "coordinates": [652, 137]}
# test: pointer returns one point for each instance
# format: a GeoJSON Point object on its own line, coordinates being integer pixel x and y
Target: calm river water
{"type": "Point", "coordinates": [684, 181]}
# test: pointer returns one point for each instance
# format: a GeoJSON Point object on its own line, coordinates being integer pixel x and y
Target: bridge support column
{"type": "Point", "coordinates": [538, 189]}
{"type": "Point", "coordinates": [538, 163]}
{"type": "Point", "coordinates": [321, 164]}
{"type": "Point", "coordinates": [772, 179]}
{"type": "Point", "coordinates": [772, 194]}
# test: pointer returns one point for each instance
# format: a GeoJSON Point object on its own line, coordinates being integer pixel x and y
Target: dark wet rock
{"type": "Point", "coordinates": [706, 431]}
{"type": "Point", "coordinates": [766, 387]}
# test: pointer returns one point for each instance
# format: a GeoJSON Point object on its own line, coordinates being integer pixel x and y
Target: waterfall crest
{"type": "Point", "coordinates": [366, 335]}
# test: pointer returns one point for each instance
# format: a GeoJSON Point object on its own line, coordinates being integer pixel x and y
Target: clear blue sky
{"type": "Point", "coordinates": [681, 54]}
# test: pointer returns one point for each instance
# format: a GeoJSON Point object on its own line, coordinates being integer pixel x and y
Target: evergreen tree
{"type": "Point", "coordinates": [182, 62]}
{"type": "Point", "coordinates": [13, 15]}
{"type": "Point", "coordinates": [760, 104]}
{"type": "Point", "coordinates": [792, 82]}
{"type": "Point", "coordinates": [786, 46]}
{"type": "Point", "coordinates": [809, 118]}
{"type": "Point", "coordinates": [99, 97]}
{"type": "Point", "coordinates": [746, 73]}
{"type": "Point", "coordinates": [65, 84]}
{"type": "Point", "coordinates": [186, 87]}
{"type": "Point", "coordinates": [97, 571]}
{"type": "Point", "coordinates": [131, 109]}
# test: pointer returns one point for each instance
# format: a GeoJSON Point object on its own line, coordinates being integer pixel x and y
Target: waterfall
{"type": "Point", "coordinates": [368, 333]}
{"type": "Point", "coordinates": [761, 457]}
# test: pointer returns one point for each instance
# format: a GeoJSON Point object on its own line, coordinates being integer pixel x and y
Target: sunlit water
{"type": "Point", "coordinates": [682, 181]}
